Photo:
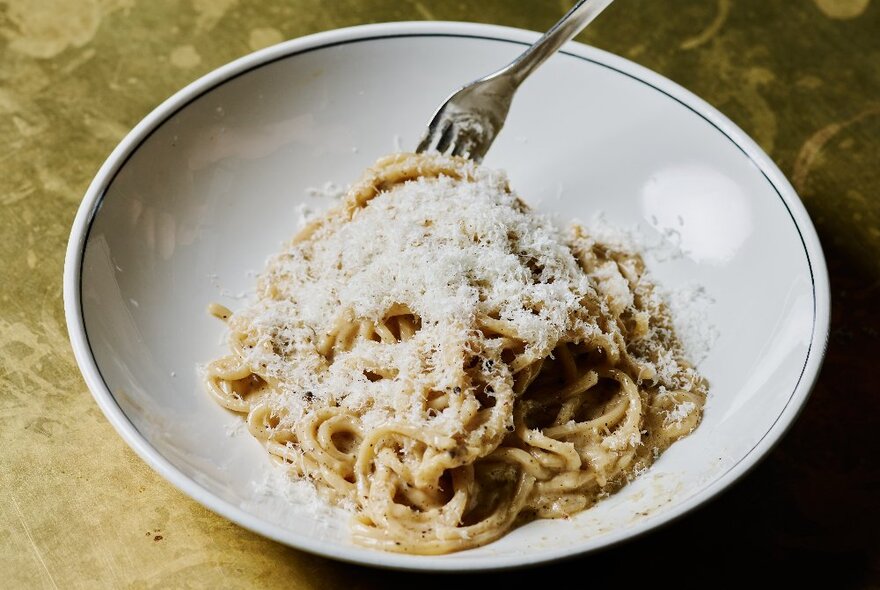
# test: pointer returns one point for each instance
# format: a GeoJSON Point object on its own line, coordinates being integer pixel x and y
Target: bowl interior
{"type": "Point", "coordinates": [192, 214]}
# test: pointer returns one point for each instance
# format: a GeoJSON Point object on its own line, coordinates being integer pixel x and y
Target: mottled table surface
{"type": "Point", "coordinates": [79, 509]}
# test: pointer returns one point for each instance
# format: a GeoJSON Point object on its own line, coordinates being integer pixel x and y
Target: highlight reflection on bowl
{"type": "Point", "coordinates": [700, 209]}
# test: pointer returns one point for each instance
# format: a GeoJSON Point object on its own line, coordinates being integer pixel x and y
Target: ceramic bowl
{"type": "Point", "coordinates": [191, 203]}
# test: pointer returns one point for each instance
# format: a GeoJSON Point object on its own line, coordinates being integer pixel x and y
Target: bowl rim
{"type": "Point", "coordinates": [88, 209]}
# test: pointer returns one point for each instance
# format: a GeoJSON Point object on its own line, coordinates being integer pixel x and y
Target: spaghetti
{"type": "Point", "coordinates": [440, 359]}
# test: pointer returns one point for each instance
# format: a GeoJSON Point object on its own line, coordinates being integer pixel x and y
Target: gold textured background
{"type": "Point", "coordinates": [78, 509]}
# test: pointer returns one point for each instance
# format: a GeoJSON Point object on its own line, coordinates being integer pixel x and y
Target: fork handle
{"type": "Point", "coordinates": [562, 32]}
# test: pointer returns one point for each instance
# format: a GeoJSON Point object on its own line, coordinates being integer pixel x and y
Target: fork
{"type": "Point", "coordinates": [468, 121]}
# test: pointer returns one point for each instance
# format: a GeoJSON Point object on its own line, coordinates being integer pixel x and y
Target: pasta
{"type": "Point", "coordinates": [447, 364]}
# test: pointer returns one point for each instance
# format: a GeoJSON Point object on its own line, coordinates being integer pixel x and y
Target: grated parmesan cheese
{"type": "Point", "coordinates": [689, 304]}
{"type": "Point", "coordinates": [447, 250]}
{"type": "Point", "coordinates": [680, 412]}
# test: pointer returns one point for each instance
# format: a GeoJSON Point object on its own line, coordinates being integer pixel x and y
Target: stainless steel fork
{"type": "Point", "coordinates": [467, 123]}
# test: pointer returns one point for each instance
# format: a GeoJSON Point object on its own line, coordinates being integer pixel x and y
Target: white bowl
{"type": "Point", "coordinates": [207, 186]}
